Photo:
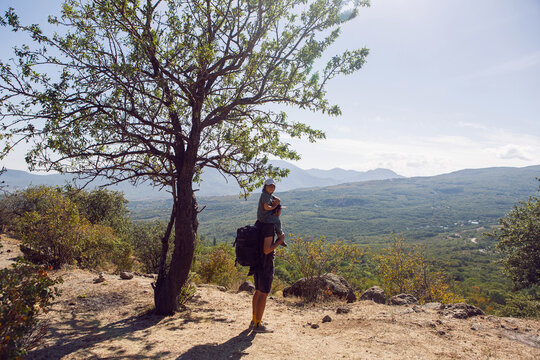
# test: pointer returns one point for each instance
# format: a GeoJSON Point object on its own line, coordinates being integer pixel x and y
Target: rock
{"type": "Point", "coordinates": [126, 275]}
{"type": "Point", "coordinates": [327, 285]}
{"type": "Point", "coordinates": [432, 305]}
{"type": "Point", "coordinates": [326, 319]}
{"type": "Point", "coordinates": [460, 311]}
{"type": "Point", "coordinates": [99, 279]}
{"type": "Point", "coordinates": [314, 326]}
{"type": "Point", "coordinates": [221, 288]}
{"type": "Point", "coordinates": [341, 310]}
{"type": "Point", "coordinates": [247, 286]}
{"type": "Point", "coordinates": [375, 294]}
{"type": "Point", "coordinates": [402, 299]}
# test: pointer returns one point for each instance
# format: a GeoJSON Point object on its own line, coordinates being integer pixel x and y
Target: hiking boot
{"type": "Point", "coordinates": [252, 324]}
{"type": "Point", "coordinates": [262, 329]}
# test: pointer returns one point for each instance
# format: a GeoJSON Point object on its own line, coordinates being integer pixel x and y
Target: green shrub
{"type": "Point", "coordinates": [317, 257]}
{"type": "Point", "coordinates": [187, 291]}
{"type": "Point", "coordinates": [55, 233]}
{"type": "Point", "coordinates": [51, 229]}
{"type": "Point", "coordinates": [404, 269]}
{"type": "Point", "coordinates": [103, 207]}
{"type": "Point", "coordinates": [26, 290]}
{"type": "Point", "coordinates": [218, 267]}
{"type": "Point", "coordinates": [524, 303]}
{"type": "Point", "coordinates": [146, 239]}
{"type": "Point", "coordinates": [99, 247]}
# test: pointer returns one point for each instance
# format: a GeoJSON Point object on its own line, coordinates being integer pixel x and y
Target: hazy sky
{"type": "Point", "coordinates": [447, 86]}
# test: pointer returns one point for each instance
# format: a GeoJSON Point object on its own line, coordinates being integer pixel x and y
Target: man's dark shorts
{"type": "Point", "coordinates": [263, 279]}
{"type": "Point", "coordinates": [264, 275]}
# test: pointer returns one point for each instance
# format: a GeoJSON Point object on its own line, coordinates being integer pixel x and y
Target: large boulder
{"type": "Point", "coordinates": [375, 294]}
{"type": "Point", "coordinates": [460, 310]}
{"type": "Point", "coordinates": [325, 286]}
{"type": "Point", "coordinates": [402, 299]}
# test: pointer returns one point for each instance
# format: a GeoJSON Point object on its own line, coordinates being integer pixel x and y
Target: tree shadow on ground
{"type": "Point", "coordinates": [232, 349]}
{"type": "Point", "coordinates": [76, 333]}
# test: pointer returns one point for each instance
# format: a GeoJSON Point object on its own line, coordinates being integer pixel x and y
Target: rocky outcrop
{"type": "Point", "coordinates": [460, 310]}
{"type": "Point", "coordinates": [325, 286]}
{"type": "Point", "coordinates": [402, 299]}
{"type": "Point", "coordinates": [375, 294]}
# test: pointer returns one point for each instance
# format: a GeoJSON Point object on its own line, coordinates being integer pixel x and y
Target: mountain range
{"type": "Point", "coordinates": [213, 184]}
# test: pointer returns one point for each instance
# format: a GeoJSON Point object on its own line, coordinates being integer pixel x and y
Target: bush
{"type": "Point", "coordinates": [51, 229]}
{"type": "Point", "coordinates": [99, 247]}
{"type": "Point", "coordinates": [103, 207]}
{"type": "Point", "coordinates": [311, 259]}
{"type": "Point", "coordinates": [26, 290]}
{"type": "Point", "coordinates": [315, 258]}
{"type": "Point", "coordinates": [56, 234]}
{"type": "Point", "coordinates": [146, 239]}
{"type": "Point", "coordinates": [218, 267]}
{"type": "Point", "coordinates": [403, 269]}
{"type": "Point", "coordinates": [524, 303]}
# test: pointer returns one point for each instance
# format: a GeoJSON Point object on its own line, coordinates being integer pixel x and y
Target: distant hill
{"type": "Point", "coordinates": [419, 207]}
{"type": "Point", "coordinates": [213, 184]}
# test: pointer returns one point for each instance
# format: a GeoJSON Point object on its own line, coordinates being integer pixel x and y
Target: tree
{"type": "Point", "coordinates": [158, 90]}
{"type": "Point", "coordinates": [519, 243]}
{"type": "Point", "coordinates": [404, 269]}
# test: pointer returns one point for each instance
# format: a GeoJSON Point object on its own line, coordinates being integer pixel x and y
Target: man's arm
{"type": "Point", "coordinates": [275, 202]}
{"type": "Point", "coordinates": [269, 247]}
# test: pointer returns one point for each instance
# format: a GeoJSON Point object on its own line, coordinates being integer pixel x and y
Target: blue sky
{"type": "Point", "coordinates": [447, 86]}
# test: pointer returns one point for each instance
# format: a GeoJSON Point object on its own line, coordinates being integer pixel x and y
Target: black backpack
{"type": "Point", "coordinates": [248, 246]}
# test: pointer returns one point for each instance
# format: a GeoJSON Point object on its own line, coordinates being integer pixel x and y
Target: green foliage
{"type": "Point", "coordinates": [27, 290]}
{"type": "Point", "coordinates": [519, 243]}
{"type": "Point", "coordinates": [52, 228]}
{"type": "Point", "coordinates": [187, 291]}
{"type": "Point", "coordinates": [146, 239]}
{"type": "Point", "coordinates": [317, 257]}
{"type": "Point", "coordinates": [524, 303]}
{"type": "Point", "coordinates": [100, 246]}
{"type": "Point", "coordinates": [56, 234]}
{"type": "Point", "coordinates": [404, 269]}
{"type": "Point", "coordinates": [217, 266]}
{"type": "Point", "coordinates": [102, 206]}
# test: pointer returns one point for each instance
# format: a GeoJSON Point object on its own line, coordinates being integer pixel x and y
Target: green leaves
{"type": "Point", "coordinates": [519, 243]}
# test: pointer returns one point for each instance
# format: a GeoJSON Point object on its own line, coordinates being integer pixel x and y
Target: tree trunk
{"type": "Point", "coordinates": [169, 284]}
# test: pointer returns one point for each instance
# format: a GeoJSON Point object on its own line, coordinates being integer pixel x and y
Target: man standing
{"type": "Point", "coordinates": [264, 273]}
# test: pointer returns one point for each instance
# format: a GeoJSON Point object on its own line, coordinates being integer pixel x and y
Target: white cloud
{"type": "Point", "coordinates": [513, 152]}
{"type": "Point", "coordinates": [423, 156]}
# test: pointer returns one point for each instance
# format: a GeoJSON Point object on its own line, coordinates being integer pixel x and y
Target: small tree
{"type": "Point", "coordinates": [403, 269]}
{"type": "Point", "coordinates": [314, 258]}
{"type": "Point", "coordinates": [158, 90]}
{"type": "Point", "coordinates": [519, 243]}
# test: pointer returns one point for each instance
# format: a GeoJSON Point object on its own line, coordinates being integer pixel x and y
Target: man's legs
{"type": "Point", "coordinates": [259, 304]}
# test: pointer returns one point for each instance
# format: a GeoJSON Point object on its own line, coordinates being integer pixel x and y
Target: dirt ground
{"type": "Point", "coordinates": [113, 320]}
